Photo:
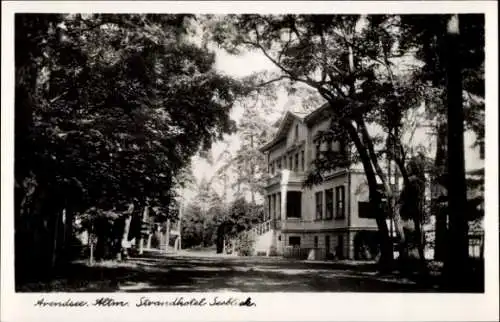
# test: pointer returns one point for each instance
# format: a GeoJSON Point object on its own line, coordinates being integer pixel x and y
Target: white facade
{"type": "Point", "coordinates": [326, 218]}
{"type": "Point", "coordinates": [323, 217]}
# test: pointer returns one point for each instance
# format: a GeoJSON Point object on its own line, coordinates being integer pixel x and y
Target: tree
{"type": "Point", "coordinates": [111, 116]}
{"type": "Point", "coordinates": [455, 265]}
{"type": "Point", "coordinates": [203, 216]}
{"type": "Point", "coordinates": [248, 164]}
{"type": "Point", "coordinates": [348, 60]}
{"type": "Point", "coordinates": [192, 226]}
{"type": "Point", "coordinates": [452, 48]}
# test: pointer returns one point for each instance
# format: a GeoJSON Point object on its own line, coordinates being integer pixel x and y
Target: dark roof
{"type": "Point", "coordinates": [286, 121]}
{"type": "Point", "coordinates": [284, 124]}
{"type": "Point", "coordinates": [317, 114]}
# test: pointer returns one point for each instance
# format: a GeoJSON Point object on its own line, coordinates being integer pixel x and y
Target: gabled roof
{"type": "Point", "coordinates": [284, 126]}
{"type": "Point", "coordinates": [287, 120]}
{"type": "Point", "coordinates": [318, 114]}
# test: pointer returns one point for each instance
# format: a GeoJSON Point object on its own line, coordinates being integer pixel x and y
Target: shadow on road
{"type": "Point", "coordinates": [207, 274]}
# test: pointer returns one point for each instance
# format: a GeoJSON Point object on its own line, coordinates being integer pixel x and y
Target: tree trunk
{"type": "Point", "coordinates": [148, 244]}
{"type": "Point", "coordinates": [181, 213]}
{"type": "Point", "coordinates": [55, 239]}
{"type": "Point", "coordinates": [91, 249]}
{"type": "Point", "coordinates": [252, 169]}
{"type": "Point", "coordinates": [396, 216]}
{"type": "Point", "coordinates": [220, 239]}
{"type": "Point", "coordinates": [438, 195]}
{"type": "Point", "coordinates": [167, 235]}
{"type": "Point", "coordinates": [455, 265]}
{"type": "Point", "coordinates": [421, 247]}
{"type": "Point", "coordinates": [386, 252]}
{"type": "Point", "coordinates": [126, 231]}
{"type": "Point", "coordinates": [68, 234]}
{"type": "Point", "coordinates": [145, 216]}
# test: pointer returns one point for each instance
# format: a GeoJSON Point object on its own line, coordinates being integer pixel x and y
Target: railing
{"type": "Point", "coordinates": [258, 230]}
{"type": "Point", "coordinates": [293, 176]}
{"type": "Point", "coordinates": [261, 228]}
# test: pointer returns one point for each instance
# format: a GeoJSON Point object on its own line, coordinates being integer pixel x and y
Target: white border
{"type": "Point", "coordinates": [270, 306]}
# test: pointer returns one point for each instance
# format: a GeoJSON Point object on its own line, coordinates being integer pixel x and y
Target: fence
{"type": "Point", "coordinates": [296, 252]}
{"type": "Point", "coordinates": [476, 243]}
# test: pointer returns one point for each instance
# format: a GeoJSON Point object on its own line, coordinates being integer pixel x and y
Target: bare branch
{"type": "Point", "coordinates": [286, 46]}
{"type": "Point", "coordinates": [53, 100]}
{"type": "Point", "coordinates": [282, 77]}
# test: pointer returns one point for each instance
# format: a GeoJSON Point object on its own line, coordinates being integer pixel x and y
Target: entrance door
{"type": "Point", "coordinates": [340, 247]}
{"type": "Point", "coordinates": [294, 241]}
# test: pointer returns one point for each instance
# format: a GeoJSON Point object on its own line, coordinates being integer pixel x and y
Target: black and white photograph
{"type": "Point", "coordinates": [247, 153]}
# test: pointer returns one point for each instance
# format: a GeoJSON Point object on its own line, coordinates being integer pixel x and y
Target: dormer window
{"type": "Point", "coordinates": [318, 150]}
{"type": "Point", "coordinates": [302, 159]}
{"type": "Point", "coordinates": [343, 147]}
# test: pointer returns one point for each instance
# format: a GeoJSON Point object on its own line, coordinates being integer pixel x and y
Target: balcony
{"type": "Point", "coordinates": [286, 176]}
{"type": "Point", "coordinates": [299, 224]}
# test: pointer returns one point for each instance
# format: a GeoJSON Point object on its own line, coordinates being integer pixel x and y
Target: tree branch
{"type": "Point", "coordinates": [273, 80]}
{"type": "Point", "coordinates": [53, 100]}
{"type": "Point", "coordinates": [286, 46]}
{"type": "Point", "coordinates": [373, 157]}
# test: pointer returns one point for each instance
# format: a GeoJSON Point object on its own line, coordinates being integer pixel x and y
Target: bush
{"type": "Point", "coordinates": [246, 244]}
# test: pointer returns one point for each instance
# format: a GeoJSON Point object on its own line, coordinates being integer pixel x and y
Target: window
{"type": "Point", "coordinates": [336, 145]}
{"type": "Point", "coordinates": [343, 148]}
{"type": "Point", "coordinates": [296, 168]}
{"type": "Point", "coordinates": [274, 206]}
{"type": "Point", "coordinates": [290, 162]}
{"type": "Point", "coordinates": [294, 241]}
{"type": "Point", "coordinates": [302, 160]}
{"type": "Point", "coordinates": [319, 205]}
{"type": "Point", "coordinates": [339, 198]}
{"type": "Point", "coordinates": [327, 244]}
{"type": "Point", "coordinates": [269, 206]}
{"type": "Point", "coordinates": [278, 165]}
{"type": "Point", "coordinates": [296, 132]}
{"type": "Point", "coordinates": [329, 204]}
{"type": "Point", "coordinates": [481, 150]}
{"type": "Point", "coordinates": [278, 206]}
{"type": "Point", "coordinates": [340, 247]}
{"type": "Point", "coordinates": [330, 145]}
{"type": "Point", "coordinates": [318, 150]}
{"type": "Point", "coordinates": [293, 204]}
{"type": "Point", "coordinates": [315, 241]}
{"type": "Point", "coordinates": [364, 210]}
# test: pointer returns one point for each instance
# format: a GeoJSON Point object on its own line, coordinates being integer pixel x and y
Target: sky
{"type": "Point", "coordinates": [237, 66]}
{"type": "Point", "coordinates": [251, 62]}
